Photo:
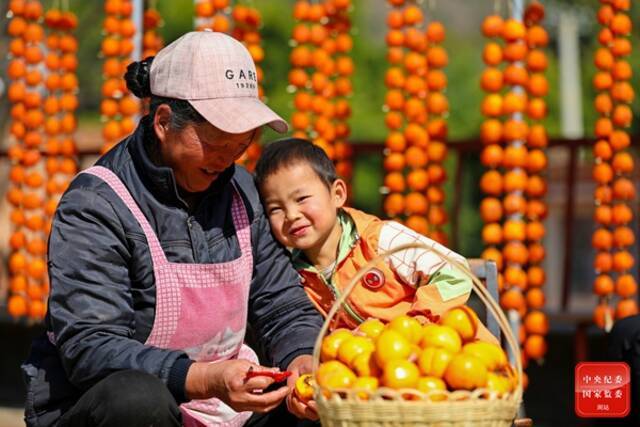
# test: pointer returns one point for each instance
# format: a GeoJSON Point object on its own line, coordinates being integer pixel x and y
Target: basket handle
{"type": "Point", "coordinates": [480, 290]}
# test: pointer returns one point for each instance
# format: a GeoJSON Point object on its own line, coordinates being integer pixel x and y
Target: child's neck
{"type": "Point", "coordinates": [326, 252]}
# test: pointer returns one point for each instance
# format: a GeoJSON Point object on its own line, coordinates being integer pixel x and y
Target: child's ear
{"type": "Point", "coordinates": [339, 188]}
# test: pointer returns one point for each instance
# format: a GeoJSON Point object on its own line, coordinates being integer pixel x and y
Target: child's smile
{"type": "Point", "coordinates": [302, 209]}
{"type": "Point", "coordinates": [299, 231]}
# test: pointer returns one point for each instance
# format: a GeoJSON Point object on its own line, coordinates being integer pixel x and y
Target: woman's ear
{"type": "Point", "coordinates": [161, 121]}
{"type": "Point", "coordinates": [339, 190]}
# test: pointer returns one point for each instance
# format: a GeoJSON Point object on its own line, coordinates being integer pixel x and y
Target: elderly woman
{"type": "Point", "coordinates": [159, 257]}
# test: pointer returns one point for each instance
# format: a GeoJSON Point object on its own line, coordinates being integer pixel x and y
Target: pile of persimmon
{"type": "Point", "coordinates": [118, 106]}
{"type": "Point", "coordinates": [437, 109]}
{"type": "Point", "coordinates": [422, 360]}
{"type": "Point", "coordinates": [615, 191]}
{"type": "Point", "coordinates": [27, 265]}
{"type": "Point", "coordinates": [246, 25]}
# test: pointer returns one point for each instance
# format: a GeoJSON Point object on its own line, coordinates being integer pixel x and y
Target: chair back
{"type": "Point", "coordinates": [487, 272]}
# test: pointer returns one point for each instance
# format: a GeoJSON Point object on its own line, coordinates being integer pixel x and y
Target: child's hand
{"type": "Point", "coordinates": [297, 406]}
{"type": "Point", "coordinates": [302, 409]}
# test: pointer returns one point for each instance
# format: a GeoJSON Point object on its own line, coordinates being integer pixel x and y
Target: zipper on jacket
{"type": "Point", "coordinates": [336, 293]}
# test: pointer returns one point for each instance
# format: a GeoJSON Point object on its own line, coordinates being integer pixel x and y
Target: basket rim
{"type": "Point", "coordinates": [387, 394]}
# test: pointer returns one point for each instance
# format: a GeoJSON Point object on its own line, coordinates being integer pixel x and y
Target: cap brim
{"type": "Point", "coordinates": [238, 115]}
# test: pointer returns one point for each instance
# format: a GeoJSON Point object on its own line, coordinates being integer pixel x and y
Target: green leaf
{"type": "Point", "coordinates": [451, 283]}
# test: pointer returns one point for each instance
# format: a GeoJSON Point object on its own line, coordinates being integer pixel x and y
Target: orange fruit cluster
{"type": "Point", "coordinates": [31, 130]}
{"type": "Point", "coordinates": [514, 209]}
{"type": "Point", "coordinates": [613, 168]}
{"type": "Point", "coordinates": [118, 107]}
{"type": "Point", "coordinates": [246, 25]}
{"type": "Point", "coordinates": [212, 14]}
{"type": "Point", "coordinates": [339, 27]}
{"type": "Point", "coordinates": [406, 154]}
{"type": "Point", "coordinates": [406, 355]}
{"type": "Point", "coordinates": [535, 324]}
{"type": "Point", "coordinates": [60, 106]}
{"type": "Point", "coordinates": [437, 110]}
{"type": "Point", "coordinates": [320, 77]}
{"type": "Point", "coordinates": [152, 41]}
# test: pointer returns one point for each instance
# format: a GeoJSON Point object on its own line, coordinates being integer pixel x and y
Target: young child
{"type": "Point", "coordinates": [304, 201]}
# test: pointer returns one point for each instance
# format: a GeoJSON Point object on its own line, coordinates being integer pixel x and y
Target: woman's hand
{"type": "Point", "coordinates": [226, 381]}
{"type": "Point", "coordinates": [301, 409]}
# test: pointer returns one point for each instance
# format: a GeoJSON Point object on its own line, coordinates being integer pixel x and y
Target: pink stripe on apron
{"type": "Point", "coordinates": [200, 308]}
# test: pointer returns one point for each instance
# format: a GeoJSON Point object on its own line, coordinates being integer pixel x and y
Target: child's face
{"type": "Point", "coordinates": [301, 209]}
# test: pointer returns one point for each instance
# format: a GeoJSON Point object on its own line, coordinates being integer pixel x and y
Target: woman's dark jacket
{"type": "Point", "coordinates": [103, 295]}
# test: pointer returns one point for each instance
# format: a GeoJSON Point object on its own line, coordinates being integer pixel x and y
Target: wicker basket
{"type": "Point", "coordinates": [387, 407]}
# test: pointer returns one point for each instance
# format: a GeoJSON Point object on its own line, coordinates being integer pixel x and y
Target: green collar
{"type": "Point", "coordinates": [348, 238]}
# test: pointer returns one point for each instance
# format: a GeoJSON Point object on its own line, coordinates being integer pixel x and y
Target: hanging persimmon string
{"type": "Point", "coordinates": [152, 41]}
{"type": "Point", "coordinates": [27, 264]}
{"type": "Point", "coordinates": [118, 107]}
{"type": "Point", "coordinates": [535, 323]}
{"type": "Point", "coordinates": [613, 168]}
{"type": "Point", "coordinates": [513, 209]}
{"type": "Point", "coordinates": [624, 193]}
{"type": "Point", "coordinates": [60, 106]}
{"type": "Point", "coordinates": [438, 110]}
{"type": "Point", "coordinates": [311, 75]}
{"type": "Point", "coordinates": [339, 45]}
{"type": "Point", "coordinates": [405, 116]}
{"type": "Point", "coordinates": [246, 28]}
{"type": "Point", "coordinates": [491, 137]}
{"type": "Point", "coordinates": [212, 14]}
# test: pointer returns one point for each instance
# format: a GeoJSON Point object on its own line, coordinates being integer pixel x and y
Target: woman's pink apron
{"type": "Point", "coordinates": [200, 308]}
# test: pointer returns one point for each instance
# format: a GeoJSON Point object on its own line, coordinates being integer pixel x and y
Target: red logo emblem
{"type": "Point", "coordinates": [602, 389]}
{"type": "Point", "coordinates": [373, 279]}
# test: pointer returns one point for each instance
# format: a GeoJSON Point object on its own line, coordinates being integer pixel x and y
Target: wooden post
{"type": "Point", "coordinates": [457, 196]}
{"type": "Point", "coordinates": [568, 224]}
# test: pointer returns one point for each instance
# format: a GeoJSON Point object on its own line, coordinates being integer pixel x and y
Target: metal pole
{"type": "Point", "coordinates": [195, 17]}
{"type": "Point", "coordinates": [138, 20]}
{"type": "Point", "coordinates": [136, 55]}
{"type": "Point", "coordinates": [570, 86]}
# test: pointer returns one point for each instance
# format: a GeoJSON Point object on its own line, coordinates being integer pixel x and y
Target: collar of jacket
{"type": "Point", "coordinates": [160, 179]}
{"type": "Point", "coordinates": [348, 240]}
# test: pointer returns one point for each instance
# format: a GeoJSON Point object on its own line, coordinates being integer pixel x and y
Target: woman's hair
{"type": "Point", "coordinates": [288, 151]}
{"type": "Point", "coordinates": [139, 83]}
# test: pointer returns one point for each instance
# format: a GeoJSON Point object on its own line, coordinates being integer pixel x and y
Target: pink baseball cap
{"type": "Point", "coordinates": [216, 74]}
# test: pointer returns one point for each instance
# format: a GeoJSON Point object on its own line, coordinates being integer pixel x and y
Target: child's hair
{"type": "Point", "coordinates": [288, 151]}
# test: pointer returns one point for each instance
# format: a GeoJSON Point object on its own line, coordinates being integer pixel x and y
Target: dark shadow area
{"type": "Point", "coordinates": [17, 338]}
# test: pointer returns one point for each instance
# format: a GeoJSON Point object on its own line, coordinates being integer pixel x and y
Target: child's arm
{"type": "Point", "coordinates": [439, 285]}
